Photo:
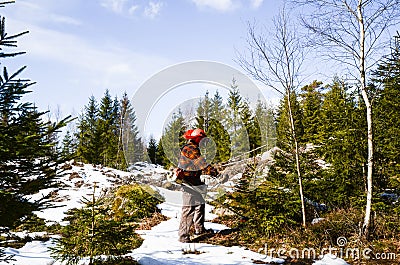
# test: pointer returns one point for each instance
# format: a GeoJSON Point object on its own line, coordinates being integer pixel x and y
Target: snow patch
{"type": "Point", "coordinates": [161, 245]}
{"type": "Point", "coordinates": [330, 259]}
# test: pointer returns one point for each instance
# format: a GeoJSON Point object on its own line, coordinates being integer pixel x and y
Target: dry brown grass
{"type": "Point", "coordinates": [152, 221]}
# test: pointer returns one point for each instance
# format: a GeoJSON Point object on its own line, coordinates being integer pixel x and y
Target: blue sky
{"type": "Point", "coordinates": [79, 48]}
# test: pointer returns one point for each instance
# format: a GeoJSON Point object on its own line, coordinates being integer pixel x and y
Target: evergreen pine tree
{"type": "Point", "coordinates": [68, 146]}
{"type": "Point", "coordinates": [216, 130]}
{"type": "Point", "coordinates": [28, 157]}
{"type": "Point", "coordinates": [108, 133]}
{"type": "Point", "coordinates": [88, 137]}
{"type": "Point", "coordinates": [92, 232]}
{"type": "Point", "coordinates": [171, 141]}
{"type": "Point", "coordinates": [120, 161]}
{"type": "Point", "coordinates": [234, 123]}
{"type": "Point", "coordinates": [311, 101]}
{"type": "Point", "coordinates": [387, 123]}
{"type": "Point", "coordinates": [210, 115]}
{"type": "Point", "coordinates": [161, 158]}
{"type": "Point", "coordinates": [152, 150]}
{"type": "Point", "coordinates": [341, 133]}
{"type": "Point", "coordinates": [252, 128]}
{"type": "Point", "coordinates": [106, 128]}
{"type": "Point", "coordinates": [265, 120]}
{"type": "Point", "coordinates": [131, 140]}
{"type": "Point", "coordinates": [203, 116]}
{"type": "Point", "coordinates": [283, 130]}
{"type": "Point", "coordinates": [267, 208]}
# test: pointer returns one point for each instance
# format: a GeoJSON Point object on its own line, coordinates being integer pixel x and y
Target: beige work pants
{"type": "Point", "coordinates": [193, 213]}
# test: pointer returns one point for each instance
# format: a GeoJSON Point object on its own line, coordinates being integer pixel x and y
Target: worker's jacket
{"type": "Point", "coordinates": [194, 165]}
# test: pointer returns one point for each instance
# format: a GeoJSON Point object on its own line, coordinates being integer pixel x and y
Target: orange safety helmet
{"type": "Point", "coordinates": [194, 134]}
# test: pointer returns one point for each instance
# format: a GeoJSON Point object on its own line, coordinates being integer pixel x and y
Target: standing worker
{"type": "Point", "coordinates": [190, 167]}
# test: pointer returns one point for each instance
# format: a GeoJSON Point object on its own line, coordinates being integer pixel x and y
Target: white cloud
{"type": "Point", "coordinates": [220, 5]}
{"type": "Point", "coordinates": [153, 9]}
{"type": "Point", "coordinates": [116, 6]}
{"type": "Point", "coordinates": [256, 3]}
{"type": "Point", "coordinates": [73, 51]}
{"type": "Point", "coordinates": [133, 9]}
{"type": "Point", "coordinates": [80, 68]}
{"type": "Point", "coordinates": [226, 5]}
{"type": "Point", "coordinates": [65, 20]}
{"type": "Point", "coordinates": [34, 13]}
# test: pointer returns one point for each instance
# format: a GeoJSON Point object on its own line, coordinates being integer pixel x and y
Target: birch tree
{"type": "Point", "coordinates": [276, 60]}
{"type": "Point", "coordinates": [352, 32]}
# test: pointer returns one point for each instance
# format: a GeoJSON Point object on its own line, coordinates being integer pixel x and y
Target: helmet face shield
{"type": "Point", "coordinates": [204, 141]}
{"type": "Point", "coordinates": [208, 149]}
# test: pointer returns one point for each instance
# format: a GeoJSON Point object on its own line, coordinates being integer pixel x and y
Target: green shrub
{"type": "Point", "coordinates": [267, 207]}
{"type": "Point", "coordinates": [81, 239]}
{"type": "Point", "coordinates": [33, 223]}
{"type": "Point", "coordinates": [132, 203]}
{"type": "Point", "coordinates": [105, 226]}
{"type": "Point", "coordinates": [116, 261]}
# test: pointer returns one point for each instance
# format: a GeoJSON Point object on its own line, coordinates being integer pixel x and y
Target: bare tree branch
{"type": "Point", "coordinates": [352, 32]}
{"type": "Point", "coordinates": [277, 62]}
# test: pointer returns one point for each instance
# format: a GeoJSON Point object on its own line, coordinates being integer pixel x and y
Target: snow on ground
{"type": "Point", "coordinates": [33, 253]}
{"type": "Point", "coordinates": [330, 260]}
{"type": "Point", "coordinates": [77, 183]}
{"type": "Point", "coordinates": [160, 246]}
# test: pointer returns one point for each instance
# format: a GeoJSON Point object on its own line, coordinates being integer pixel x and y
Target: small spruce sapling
{"type": "Point", "coordinates": [92, 231]}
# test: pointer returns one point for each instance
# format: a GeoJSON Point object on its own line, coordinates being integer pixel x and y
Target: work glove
{"type": "Point", "coordinates": [214, 172]}
{"type": "Point", "coordinates": [179, 181]}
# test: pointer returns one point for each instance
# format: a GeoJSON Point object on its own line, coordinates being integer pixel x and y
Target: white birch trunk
{"type": "Point", "coordinates": [367, 218]}
{"type": "Point", "coordinates": [292, 126]}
